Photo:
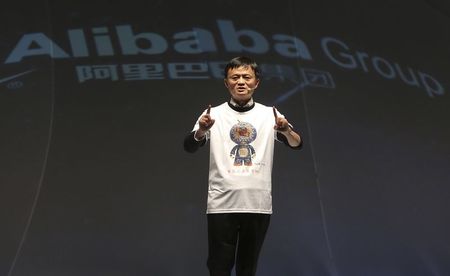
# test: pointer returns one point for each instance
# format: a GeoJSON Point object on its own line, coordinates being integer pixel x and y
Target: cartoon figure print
{"type": "Point", "coordinates": [243, 134]}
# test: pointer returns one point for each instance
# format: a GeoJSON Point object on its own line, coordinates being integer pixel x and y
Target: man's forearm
{"type": "Point", "coordinates": [191, 144]}
{"type": "Point", "coordinates": [199, 134]}
{"type": "Point", "coordinates": [293, 138]}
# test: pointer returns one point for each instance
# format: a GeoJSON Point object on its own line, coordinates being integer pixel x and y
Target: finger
{"type": "Point", "coordinates": [275, 114]}
{"type": "Point", "coordinates": [209, 109]}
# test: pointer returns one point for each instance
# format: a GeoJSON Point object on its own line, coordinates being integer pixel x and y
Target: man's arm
{"type": "Point", "coordinates": [290, 138]}
{"type": "Point", "coordinates": [286, 133]}
{"type": "Point", "coordinates": [191, 144]}
{"type": "Point", "coordinates": [197, 138]}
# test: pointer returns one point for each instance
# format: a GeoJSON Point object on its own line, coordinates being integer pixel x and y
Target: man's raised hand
{"type": "Point", "coordinates": [206, 122]}
{"type": "Point", "coordinates": [281, 124]}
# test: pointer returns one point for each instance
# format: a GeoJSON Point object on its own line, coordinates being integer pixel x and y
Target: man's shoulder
{"type": "Point", "coordinates": [261, 106]}
{"type": "Point", "coordinates": [221, 106]}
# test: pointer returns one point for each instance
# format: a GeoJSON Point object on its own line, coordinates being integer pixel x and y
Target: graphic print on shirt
{"type": "Point", "coordinates": [243, 134]}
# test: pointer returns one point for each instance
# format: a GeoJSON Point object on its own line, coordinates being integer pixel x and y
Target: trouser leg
{"type": "Point", "coordinates": [253, 229]}
{"type": "Point", "coordinates": [222, 240]}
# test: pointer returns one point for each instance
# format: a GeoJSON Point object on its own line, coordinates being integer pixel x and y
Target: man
{"type": "Point", "coordinates": [241, 133]}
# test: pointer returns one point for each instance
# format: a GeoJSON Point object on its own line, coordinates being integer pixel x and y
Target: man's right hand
{"type": "Point", "coordinates": [205, 123]}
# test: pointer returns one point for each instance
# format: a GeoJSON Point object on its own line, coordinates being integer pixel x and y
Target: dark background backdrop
{"type": "Point", "coordinates": [94, 181]}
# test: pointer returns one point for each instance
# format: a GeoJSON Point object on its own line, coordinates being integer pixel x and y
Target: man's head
{"type": "Point", "coordinates": [241, 78]}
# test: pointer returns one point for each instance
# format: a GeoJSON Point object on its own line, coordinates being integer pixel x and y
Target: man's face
{"type": "Point", "coordinates": [241, 83]}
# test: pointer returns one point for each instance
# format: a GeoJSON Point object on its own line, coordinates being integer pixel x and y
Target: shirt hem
{"type": "Point", "coordinates": [220, 211]}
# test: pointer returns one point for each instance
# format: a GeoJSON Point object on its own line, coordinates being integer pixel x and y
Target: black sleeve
{"type": "Point", "coordinates": [283, 139]}
{"type": "Point", "coordinates": [190, 144]}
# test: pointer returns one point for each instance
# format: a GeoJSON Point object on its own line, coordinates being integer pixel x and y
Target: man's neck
{"type": "Point", "coordinates": [242, 103]}
{"type": "Point", "coordinates": [239, 108]}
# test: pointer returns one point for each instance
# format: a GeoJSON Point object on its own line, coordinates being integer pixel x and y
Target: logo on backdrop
{"type": "Point", "coordinates": [13, 81]}
{"type": "Point", "coordinates": [110, 42]}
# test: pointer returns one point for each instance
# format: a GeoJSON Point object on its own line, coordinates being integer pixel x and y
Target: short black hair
{"type": "Point", "coordinates": [242, 61]}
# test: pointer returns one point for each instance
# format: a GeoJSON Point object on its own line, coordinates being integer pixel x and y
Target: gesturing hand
{"type": "Point", "coordinates": [206, 122]}
{"type": "Point", "coordinates": [281, 124]}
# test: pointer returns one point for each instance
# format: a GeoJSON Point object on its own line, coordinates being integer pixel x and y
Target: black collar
{"type": "Point", "coordinates": [241, 108]}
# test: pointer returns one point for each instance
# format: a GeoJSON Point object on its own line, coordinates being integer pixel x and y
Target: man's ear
{"type": "Point", "coordinates": [257, 84]}
{"type": "Point", "coordinates": [225, 82]}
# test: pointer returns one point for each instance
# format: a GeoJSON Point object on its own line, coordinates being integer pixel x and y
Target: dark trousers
{"type": "Point", "coordinates": [235, 237]}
